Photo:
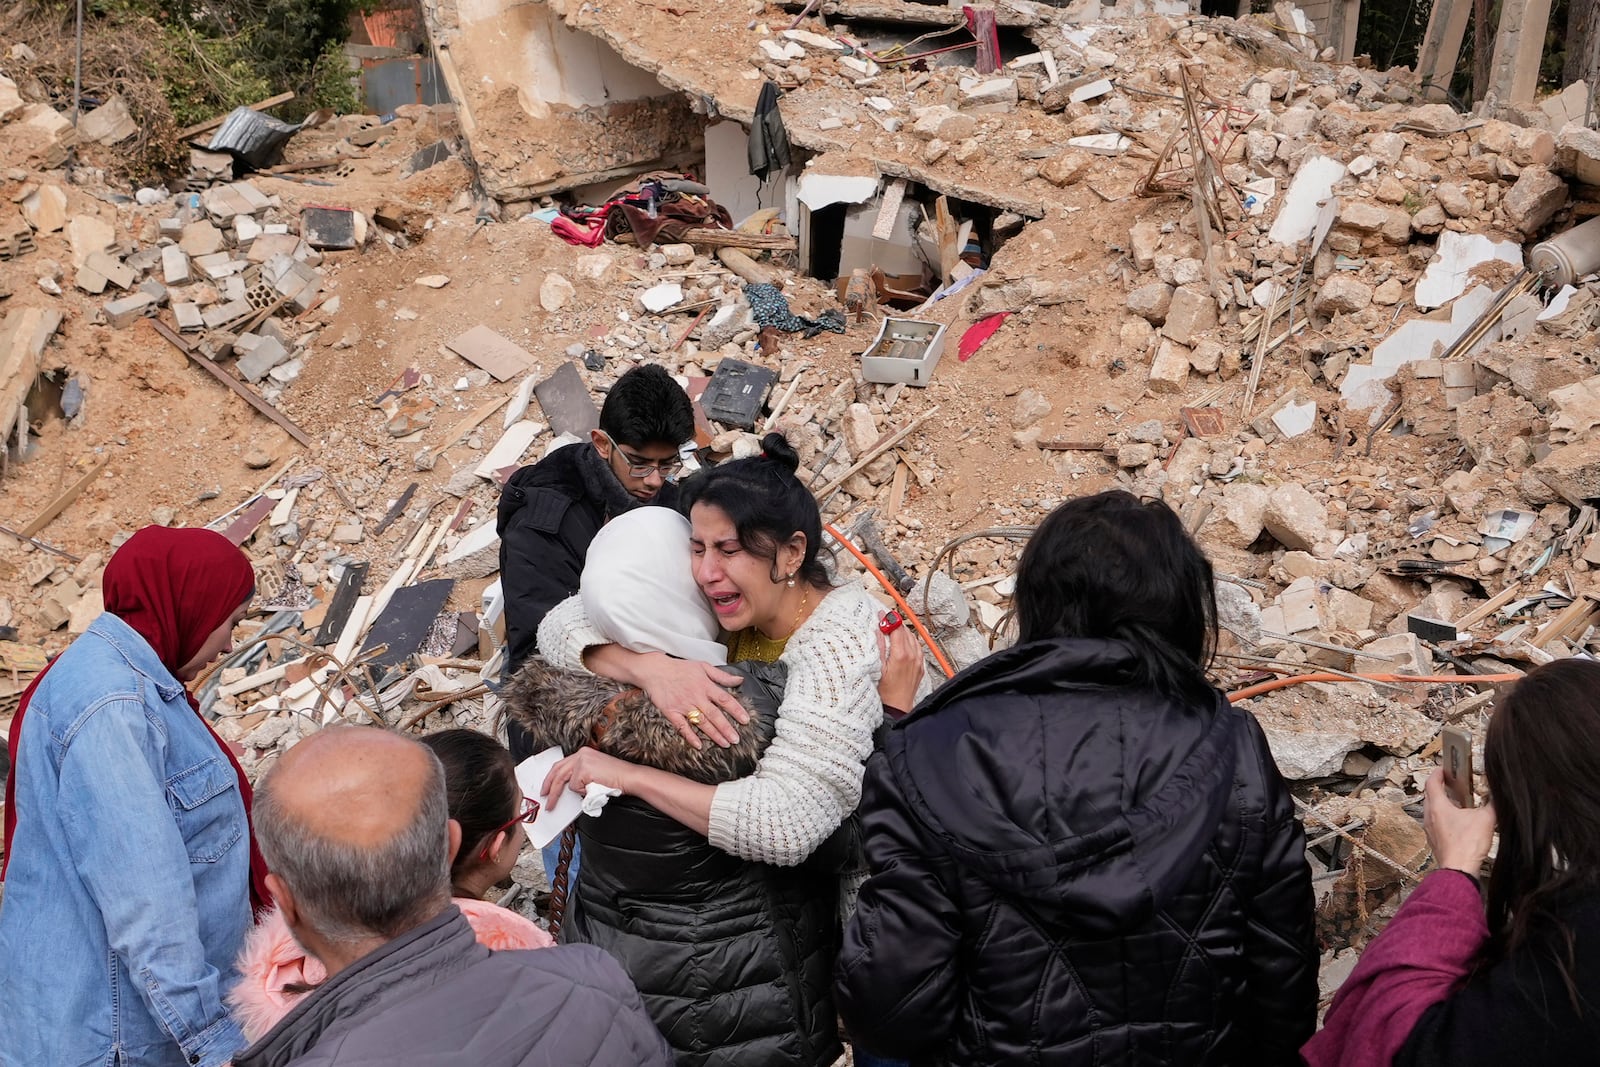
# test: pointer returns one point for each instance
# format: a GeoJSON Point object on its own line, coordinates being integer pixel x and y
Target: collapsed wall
{"type": "Point", "coordinates": [545, 109]}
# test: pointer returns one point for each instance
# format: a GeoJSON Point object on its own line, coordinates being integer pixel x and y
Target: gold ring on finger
{"type": "Point", "coordinates": [693, 716]}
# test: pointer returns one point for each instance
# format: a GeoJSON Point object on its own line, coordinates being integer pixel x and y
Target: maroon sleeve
{"type": "Point", "coordinates": [1424, 953]}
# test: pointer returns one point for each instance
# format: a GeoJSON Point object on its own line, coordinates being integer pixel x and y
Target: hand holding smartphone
{"type": "Point", "coordinates": [1455, 756]}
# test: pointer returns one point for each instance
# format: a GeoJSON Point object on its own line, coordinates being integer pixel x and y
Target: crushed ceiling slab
{"type": "Point", "coordinates": [545, 109]}
{"type": "Point", "coordinates": [1018, 16]}
{"type": "Point", "coordinates": [723, 81]}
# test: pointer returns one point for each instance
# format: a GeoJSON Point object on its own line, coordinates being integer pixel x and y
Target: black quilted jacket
{"type": "Point", "coordinates": [1070, 869]}
{"type": "Point", "coordinates": [734, 960]}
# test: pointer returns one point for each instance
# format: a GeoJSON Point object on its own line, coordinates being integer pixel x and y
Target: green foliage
{"type": "Point", "coordinates": [221, 54]}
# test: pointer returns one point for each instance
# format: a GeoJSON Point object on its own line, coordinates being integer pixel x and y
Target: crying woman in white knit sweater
{"type": "Point", "coordinates": [717, 879]}
{"type": "Point", "coordinates": [754, 542]}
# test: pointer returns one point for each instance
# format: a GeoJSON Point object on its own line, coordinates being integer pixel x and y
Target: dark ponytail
{"type": "Point", "coordinates": [1108, 566]}
{"type": "Point", "coordinates": [480, 781]}
{"type": "Point", "coordinates": [767, 503]}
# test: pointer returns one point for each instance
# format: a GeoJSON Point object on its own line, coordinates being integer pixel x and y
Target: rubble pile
{"type": "Point", "coordinates": [1319, 318]}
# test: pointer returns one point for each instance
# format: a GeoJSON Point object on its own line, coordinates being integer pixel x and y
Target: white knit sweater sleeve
{"type": "Point", "coordinates": [809, 779]}
{"type": "Point", "coordinates": [565, 633]}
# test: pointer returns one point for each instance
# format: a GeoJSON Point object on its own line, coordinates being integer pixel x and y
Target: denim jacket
{"type": "Point", "coordinates": [128, 898]}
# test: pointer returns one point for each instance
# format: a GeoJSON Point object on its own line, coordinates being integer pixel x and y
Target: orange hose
{"type": "Point", "coordinates": [1431, 679]}
{"type": "Point", "coordinates": [905, 609]}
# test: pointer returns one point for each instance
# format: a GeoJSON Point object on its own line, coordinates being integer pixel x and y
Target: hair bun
{"type": "Point", "coordinates": [776, 448]}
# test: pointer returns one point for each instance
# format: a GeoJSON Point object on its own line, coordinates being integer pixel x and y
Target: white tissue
{"type": "Point", "coordinates": [595, 797]}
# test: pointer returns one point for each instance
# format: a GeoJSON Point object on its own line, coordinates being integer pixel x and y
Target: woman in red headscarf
{"type": "Point", "coordinates": [130, 867]}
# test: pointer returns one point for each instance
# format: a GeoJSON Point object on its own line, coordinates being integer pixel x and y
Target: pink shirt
{"type": "Point", "coordinates": [273, 959]}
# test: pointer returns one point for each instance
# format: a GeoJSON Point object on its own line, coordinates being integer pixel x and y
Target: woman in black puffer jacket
{"type": "Point", "coordinates": [1080, 853]}
{"type": "Point", "coordinates": [734, 959]}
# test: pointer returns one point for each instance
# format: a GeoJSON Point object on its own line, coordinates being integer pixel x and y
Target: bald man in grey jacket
{"type": "Point", "coordinates": [354, 826]}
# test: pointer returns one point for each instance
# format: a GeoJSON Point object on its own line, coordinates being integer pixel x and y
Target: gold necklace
{"type": "Point", "coordinates": [799, 615]}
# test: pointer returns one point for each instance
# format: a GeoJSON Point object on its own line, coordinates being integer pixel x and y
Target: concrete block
{"type": "Point", "coordinates": [121, 313]}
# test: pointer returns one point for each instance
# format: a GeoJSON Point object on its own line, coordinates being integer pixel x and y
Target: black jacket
{"type": "Point", "coordinates": [436, 996]}
{"type": "Point", "coordinates": [546, 519]}
{"type": "Point", "coordinates": [1067, 868]}
{"type": "Point", "coordinates": [734, 959]}
{"type": "Point", "coordinates": [1520, 1010]}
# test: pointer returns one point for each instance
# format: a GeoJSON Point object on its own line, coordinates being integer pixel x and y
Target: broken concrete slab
{"type": "Point", "coordinates": [483, 347]}
{"type": "Point", "coordinates": [1295, 518]}
{"type": "Point", "coordinates": [201, 239]}
{"type": "Point", "coordinates": [1534, 199]}
{"type": "Point", "coordinates": [1312, 185]}
{"type": "Point", "coordinates": [111, 269]}
{"type": "Point", "coordinates": [1573, 471]}
{"type": "Point", "coordinates": [46, 208]}
{"type": "Point", "coordinates": [1457, 256]}
{"type": "Point", "coordinates": [108, 124]}
{"type": "Point", "coordinates": [329, 228]}
{"type": "Point", "coordinates": [1189, 315]}
{"type": "Point", "coordinates": [1169, 371]}
{"type": "Point", "coordinates": [1363, 385]}
{"type": "Point", "coordinates": [268, 352]}
{"type": "Point", "coordinates": [1306, 754]}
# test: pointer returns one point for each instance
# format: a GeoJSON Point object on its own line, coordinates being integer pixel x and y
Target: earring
{"type": "Point", "coordinates": [791, 581]}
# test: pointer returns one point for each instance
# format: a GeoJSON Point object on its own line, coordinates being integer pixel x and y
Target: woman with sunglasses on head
{"type": "Point", "coordinates": [481, 785]}
{"type": "Point", "coordinates": [726, 912]}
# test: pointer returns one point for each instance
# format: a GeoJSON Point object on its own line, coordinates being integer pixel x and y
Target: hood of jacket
{"type": "Point", "coordinates": [1048, 772]}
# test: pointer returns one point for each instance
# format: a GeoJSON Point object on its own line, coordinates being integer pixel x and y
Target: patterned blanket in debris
{"type": "Point", "coordinates": [770, 308]}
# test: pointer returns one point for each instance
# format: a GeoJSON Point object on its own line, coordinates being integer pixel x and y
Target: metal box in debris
{"type": "Point", "coordinates": [905, 350]}
{"type": "Point", "coordinates": [736, 393]}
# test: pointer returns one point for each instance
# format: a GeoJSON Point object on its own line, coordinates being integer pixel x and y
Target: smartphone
{"type": "Point", "coordinates": [1456, 756]}
{"type": "Point", "coordinates": [891, 622]}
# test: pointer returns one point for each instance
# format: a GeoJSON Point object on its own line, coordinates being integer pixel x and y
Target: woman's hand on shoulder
{"type": "Point", "coordinates": [1459, 837]}
{"type": "Point", "coordinates": [694, 697]}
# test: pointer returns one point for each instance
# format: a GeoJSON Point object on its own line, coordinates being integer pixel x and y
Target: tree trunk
{"type": "Point", "coordinates": [1483, 34]}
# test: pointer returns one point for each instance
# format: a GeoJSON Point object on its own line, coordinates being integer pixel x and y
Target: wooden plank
{"type": "Point", "coordinates": [889, 210]}
{"type": "Point", "coordinates": [483, 347]}
{"type": "Point", "coordinates": [466, 425]}
{"type": "Point", "coordinates": [883, 445]}
{"type": "Point", "coordinates": [897, 491]}
{"type": "Point", "coordinates": [250, 396]}
{"type": "Point", "coordinates": [240, 529]}
{"type": "Point", "coordinates": [62, 502]}
{"type": "Point", "coordinates": [394, 512]}
{"type": "Point", "coordinates": [213, 123]}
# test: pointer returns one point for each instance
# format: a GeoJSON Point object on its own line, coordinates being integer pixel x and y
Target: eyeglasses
{"type": "Point", "coordinates": [528, 813]}
{"type": "Point", "coordinates": [639, 467]}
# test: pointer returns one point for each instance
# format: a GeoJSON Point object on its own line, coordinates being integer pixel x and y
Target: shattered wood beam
{"type": "Point", "coordinates": [62, 502]}
{"type": "Point", "coordinates": [883, 445]}
{"type": "Point", "coordinates": [745, 267]}
{"type": "Point", "coordinates": [250, 396]}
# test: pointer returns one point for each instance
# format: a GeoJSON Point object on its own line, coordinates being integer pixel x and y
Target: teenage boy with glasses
{"type": "Point", "coordinates": [551, 510]}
